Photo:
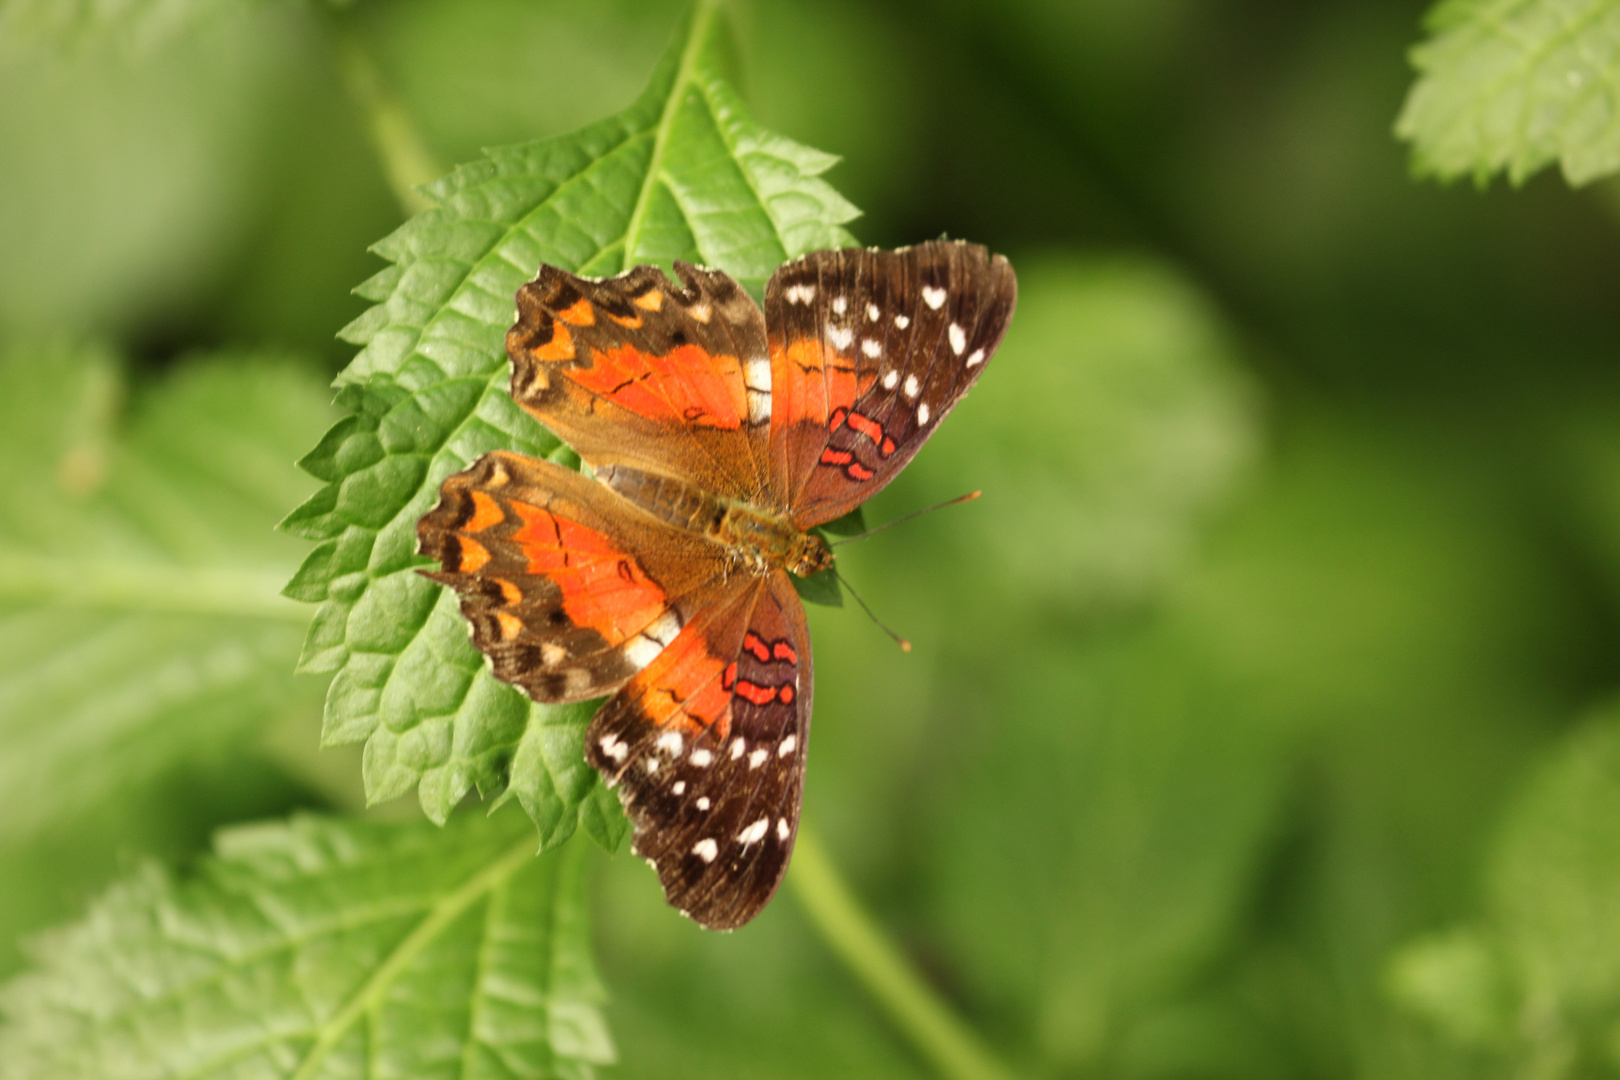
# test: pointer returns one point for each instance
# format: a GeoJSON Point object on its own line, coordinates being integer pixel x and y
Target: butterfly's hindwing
{"type": "Point", "coordinates": [870, 349]}
{"type": "Point", "coordinates": [638, 371]}
{"type": "Point", "coordinates": [570, 591]}
{"type": "Point", "coordinates": [707, 749]}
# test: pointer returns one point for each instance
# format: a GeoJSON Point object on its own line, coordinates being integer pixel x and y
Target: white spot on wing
{"type": "Point", "coordinates": [759, 406]}
{"type": "Point", "coordinates": [975, 357]}
{"type": "Point", "coordinates": [757, 373]}
{"type": "Point", "coordinates": [665, 628]}
{"type": "Point", "coordinates": [911, 386]}
{"type": "Point", "coordinates": [642, 650]}
{"type": "Point", "coordinates": [782, 828]}
{"type": "Point", "coordinates": [755, 832]}
{"type": "Point", "coordinates": [679, 787]}
{"type": "Point", "coordinates": [701, 758]}
{"type": "Point", "coordinates": [890, 379]}
{"type": "Point", "coordinates": [800, 294]}
{"type": "Point", "coordinates": [872, 313]}
{"type": "Point", "coordinates": [787, 746]}
{"type": "Point", "coordinates": [700, 311]}
{"type": "Point", "coordinates": [922, 414]}
{"type": "Point", "coordinates": [737, 748]}
{"type": "Point", "coordinates": [703, 802]}
{"type": "Point", "coordinates": [958, 339]}
{"type": "Point", "coordinates": [839, 305]}
{"type": "Point", "coordinates": [650, 763]}
{"type": "Point", "coordinates": [757, 758]}
{"type": "Point", "coordinates": [872, 348]}
{"type": "Point", "coordinates": [934, 298]}
{"type": "Point", "coordinates": [706, 849]}
{"type": "Point", "coordinates": [902, 321]}
{"type": "Point", "coordinates": [670, 741]}
{"type": "Point", "coordinates": [842, 337]}
{"type": "Point", "coordinates": [614, 747]}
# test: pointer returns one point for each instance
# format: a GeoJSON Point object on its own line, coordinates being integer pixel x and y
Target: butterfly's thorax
{"type": "Point", "coordinates": [767, 541]}
{"type": "Point", "coordinates": [758, 539]}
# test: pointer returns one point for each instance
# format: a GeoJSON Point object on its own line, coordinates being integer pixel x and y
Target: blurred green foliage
{"type": "Point", "coordinates": [1259, 723]}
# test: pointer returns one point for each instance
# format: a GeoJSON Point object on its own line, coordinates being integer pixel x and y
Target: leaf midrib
{"type": "Point", "coordinates": [438, 917]}
{"type": "Point", "coordinates": [701, 18]}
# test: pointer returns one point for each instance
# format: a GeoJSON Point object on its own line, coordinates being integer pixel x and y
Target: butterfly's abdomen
{"type": "Point", "coordinates": [757, 539]}
{"type": "Point", "coordinates": [665, 498]}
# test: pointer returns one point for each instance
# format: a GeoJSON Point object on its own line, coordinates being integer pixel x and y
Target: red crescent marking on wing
{"type": "Point", "coordinates": [728, 677]}
{"type": "Point", "coordinates": [783, 651]}
{"type": "Point", "coordinates": [752, 644]}
{"type": "Point", "coordinates": [758, 695]}
{"type": "Point", "coordinates": [866, 426]}
{"type": "Point", "coordinates": [857, 471]}
{"type": "Point", "coordinates": [830, 456]}
{"type": "Point", "coordinates": [785, 694]}
{"type": "Point", "coordinates": [888, 446]}
{"type": "Point", "coordinates": [837, 420]}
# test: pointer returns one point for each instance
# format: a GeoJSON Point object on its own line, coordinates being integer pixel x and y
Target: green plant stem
{"type": "Point", "coordinates": [407, 163]}
{"type": "Point", "coordinates": [938, 1033]}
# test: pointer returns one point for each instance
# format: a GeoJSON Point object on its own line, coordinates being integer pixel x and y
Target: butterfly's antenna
{"type": "Point", "coordinates": [905, 646]}
{"type": "Point", "coordinates": [969, 497]}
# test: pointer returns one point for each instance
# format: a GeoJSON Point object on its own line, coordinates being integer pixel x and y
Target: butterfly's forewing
{"type": "Point", "coordinates": [869, 351]}
{"type": "Point", "coordinates": [570, 589]}
{"type": "Point", "coordinates": [637, 371]}
{"type": "Point", "coordinates": [707, 748]}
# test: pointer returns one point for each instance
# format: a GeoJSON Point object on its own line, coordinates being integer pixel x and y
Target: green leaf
{"type": "Point", "coordinates": [137, 26]}
{"type": "Point", "coordinates": [1143, 799]}
{"type": "Point", "coordinates": [1458, 982]}
{"type": "Point", "coordinates": [139, 621]}
{"type": "Point", "coordinates": [682, 173]}
{"type": "Point", "coordinates": [1516, 85]}
{"type": "Point", "coordinates": [1555, 877]}
{"type": "Point", "coordinates": [1539, 978]}
{"type": "Point", "coordinates": [321, 948]}
{"type": "Point", "coordinates": [820, 588]}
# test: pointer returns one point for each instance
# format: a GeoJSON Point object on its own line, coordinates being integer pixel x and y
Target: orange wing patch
{"type": "Point", "coordinates": [602, 587]}
{"type": "Point", "coordinates": [809, 383]}
{"type": "Point", "coordinates": [685, 689]}
{"type": "Point", "coordinates": [686, 386]}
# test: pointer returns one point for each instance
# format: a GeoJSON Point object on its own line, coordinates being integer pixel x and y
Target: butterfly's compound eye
{"type": "Point", "coordinates": [811, 555]}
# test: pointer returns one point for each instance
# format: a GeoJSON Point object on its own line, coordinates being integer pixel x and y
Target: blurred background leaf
{"type": "Point", "coordinates": [1515, 85]}
{"type": "Point", "coordinates": [141, 624]}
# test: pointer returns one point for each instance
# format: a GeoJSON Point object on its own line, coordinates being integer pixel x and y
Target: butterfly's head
{"type": "Point", "coordinates": [810, 555]}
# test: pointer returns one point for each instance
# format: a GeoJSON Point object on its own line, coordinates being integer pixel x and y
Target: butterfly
{"type": "Point", "coordinates": [718, 436]}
